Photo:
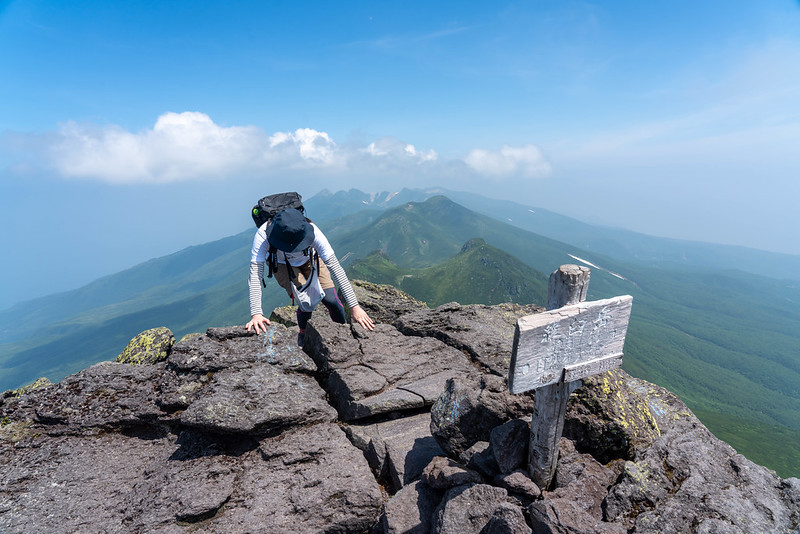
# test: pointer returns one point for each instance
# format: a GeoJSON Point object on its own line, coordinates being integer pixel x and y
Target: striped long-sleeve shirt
{"type": "Point", "coordinates": [258, 255]}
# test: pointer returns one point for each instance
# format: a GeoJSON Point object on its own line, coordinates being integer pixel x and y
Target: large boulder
{"type": "Point", "coordinates": [410, 510]}
{"type": "Point", "coordinates": [309, 480]}
{"type": "Point", "coordinates": [106, 396]}
{"type": "Point", "coordinates": [236, 348]}
{"type": "Point", "coordinates": [691, 477]}
{"type": "Point", "coordinates": [468, 509]}
{"type": "Point", "coordinates": [151, 346]}
{"type": "Point", "coordinates": [263, 400]}
{"type": "Point", "coordinates": [614, 415]}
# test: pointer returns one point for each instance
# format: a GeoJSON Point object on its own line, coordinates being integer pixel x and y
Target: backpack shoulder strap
{"type": "Point", "coordinates": [272, 261]}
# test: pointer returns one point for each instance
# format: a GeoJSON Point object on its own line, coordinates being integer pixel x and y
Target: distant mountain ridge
{"type": "Point", "coordinates": [620, 244]}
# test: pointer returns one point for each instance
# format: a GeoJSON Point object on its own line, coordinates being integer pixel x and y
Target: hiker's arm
{"type": "Point", "coordinates": [258, 323]}
{"type": "Point", "coordinates": [257, 319]}
{"type": "Point", "coordinates": [325, 251]}
{"type": "Point", "coordinates": [257, 257]}
{"type": "Point", "coordinates": [361, 317]}
{"type": "Point", "coordinates": [254, 285]}
{"type": "Point", "coordinates": [339, 276]}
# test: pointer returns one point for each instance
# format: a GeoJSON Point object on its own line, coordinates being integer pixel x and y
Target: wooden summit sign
{"type": "Point", "coordinates": [568, 343]}
{"type": "Point", "coordinates": [555, 349]}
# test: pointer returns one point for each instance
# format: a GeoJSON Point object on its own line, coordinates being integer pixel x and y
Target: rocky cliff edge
{"type": "Point", "coordinates": [406, 429]}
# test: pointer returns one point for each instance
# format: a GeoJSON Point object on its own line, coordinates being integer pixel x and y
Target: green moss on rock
{"type": "Point", "coordinates": [38, 383]}
{"type": "Point", "coordinates": [149, 347]}
{"type": "Point", "coordinates": [191, 336]}
{"type": "Point", "coordinates": [285, 315]}
{"type": "Point", "coordinates": [612, 416]}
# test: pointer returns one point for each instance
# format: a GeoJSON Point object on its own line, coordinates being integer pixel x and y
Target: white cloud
{"type": "Point", "coordinates": [305, 145]}
{"type": "Point", "coordinates": [389, 148]}
{"type": "Point", "coordinates": [180, 146]}
{"type": "Point", "coordinates": [191, 146]}
{"type": "Point", "coordinates": [526, 161]}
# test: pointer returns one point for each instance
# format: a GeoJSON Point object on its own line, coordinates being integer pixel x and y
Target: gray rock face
{"type": "Point", "coordinates": [509, 442]}
{"type": "Point", "coordinates": [410, 510]}
{"type": "Point", "coordinates": [444, 473]}
{"type": "Point", "coordinates": [236, 348]}
{"type": "Point", "coordinates": [242, 433]}
{"type": "Point", "coordinates": [383, 371]}
{"type": "Point", "coordinates": [486, 333]}
{"type": "Point", "coordinates": [232, 434]}
{"type": "Point", "coordinates": [262, 400]}
{"type": "Point", "coordinates": [308, 480]}
{"type": "Point", "coordinates": [468, 410]}
{"type": "Point", "coordinates": [105, 396]}
{"type": "Point", "coordinates": [692, 477]}
{"type": "Point", "coordinates": [397, 450]}
{"type": "Point", "coordinates": [468, 509]}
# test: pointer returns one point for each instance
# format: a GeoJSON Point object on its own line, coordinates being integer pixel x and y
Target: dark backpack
{"type": "Point", "coordinates": [265, 210]}
{"type": "Point", "coordinates": [268, 206]}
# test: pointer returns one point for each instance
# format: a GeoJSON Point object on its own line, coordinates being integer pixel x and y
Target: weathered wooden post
{"type": "Point", "coordinates": [570, 341]}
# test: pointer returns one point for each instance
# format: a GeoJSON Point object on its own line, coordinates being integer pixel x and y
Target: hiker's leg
{"type": "Point", "coordinates": [302, 319]}
{"type": "Point", "coordinates": [331, 298]}
{"type": "Point", "coordinates": [335, 308]}
{"type": "Point", "coordinates": [282, 276]}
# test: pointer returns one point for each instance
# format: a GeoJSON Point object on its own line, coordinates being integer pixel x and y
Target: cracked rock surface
{"type": "Point", "coordinates": [407, 429]}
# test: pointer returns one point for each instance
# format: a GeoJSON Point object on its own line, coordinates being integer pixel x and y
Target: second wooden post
{"type": "Point", "coordinates": [568, 285]}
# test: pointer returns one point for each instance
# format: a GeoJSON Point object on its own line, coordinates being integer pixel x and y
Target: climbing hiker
{"type": "Point", "coordinates": [292, 246]}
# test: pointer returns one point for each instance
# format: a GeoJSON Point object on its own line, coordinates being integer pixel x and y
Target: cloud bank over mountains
{"type": "Point", "coordinates": [190, 146]}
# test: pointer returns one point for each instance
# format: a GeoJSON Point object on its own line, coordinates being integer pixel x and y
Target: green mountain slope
{"type": "Point", "coordinates": [419, 235]}
{"type": "Point", "coordinates": [154, 283]}
{"type": "Point", "coordinates": [626, 245]}
{"type": "Point", "coordinates": [479, 274]}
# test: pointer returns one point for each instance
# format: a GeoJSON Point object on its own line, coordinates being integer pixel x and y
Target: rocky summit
{"type": "Point", "coordinates": [409, 428]}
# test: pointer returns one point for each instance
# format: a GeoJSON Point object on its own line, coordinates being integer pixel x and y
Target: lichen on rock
{"type": "Point", "coordinates": [149, 347]}
{"type": "Point", "coordinates": [36, 384]}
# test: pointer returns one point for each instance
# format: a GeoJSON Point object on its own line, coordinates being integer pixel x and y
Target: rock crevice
{"type": "Point", "coordinates": [409, 428]}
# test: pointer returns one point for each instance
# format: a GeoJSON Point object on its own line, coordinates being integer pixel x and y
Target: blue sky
{"type": "Point", "coordinates": [129, 130]}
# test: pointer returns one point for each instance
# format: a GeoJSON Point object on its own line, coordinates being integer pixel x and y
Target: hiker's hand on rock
{"type": "Point", "coordinates": [259, 323]}
{"type": "Point", "coordinates": [361, 317]}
